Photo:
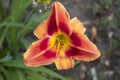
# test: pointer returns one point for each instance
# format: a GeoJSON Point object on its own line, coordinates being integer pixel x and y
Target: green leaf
{"type": "Point", "coordinates": [13, 24]}
{"type": "Point", "coordinates": [7, 58]}
{"type": "Point", "coordinates": [32, 23]}
{"type": "Point", "coordinates": [1, 77]}
{"type": "Point", "coordinates": [2, 15]}
{"type": "Point", "coordinates": [5, 72]}
{"type": "Point", "coordinates": [18, 8]}
{"type": "Point", "coordinates": [42, 69]}
{"type": "Point", "coordinates": [2, 36]}
{"type": "Point", "coordinates": [20, 74]}
{"type": "Point", "coordinates": [70, 78]}
{"type": "Point", "coordinates": [12, 73]}
{"type": "Point", "coordinates": [49, 72]}
{"type": "Point", "coordinates": [35, 76]}
{"type": "Point", "coordinates": [39, 19]}
{"type": "Point", "coordinates": [26, 42]}
{"type": "Point", "coordinates": [13, 63]}
{"type": "Point", "coordinates": [96, 9]}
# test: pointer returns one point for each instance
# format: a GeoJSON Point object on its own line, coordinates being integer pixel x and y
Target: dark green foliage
{"type": "Point", "coordinates": [15, 24]}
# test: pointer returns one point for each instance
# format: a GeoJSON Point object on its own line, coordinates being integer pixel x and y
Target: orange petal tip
{"type": "Point", "coordinates": [64, 63]}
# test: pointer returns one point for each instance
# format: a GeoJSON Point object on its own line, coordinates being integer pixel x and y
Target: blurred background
{"type": "Point", "coordinates": [18, 19]}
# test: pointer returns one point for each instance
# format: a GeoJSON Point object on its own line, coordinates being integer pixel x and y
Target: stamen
{"type": "Point", "coordinates": [59, 43]}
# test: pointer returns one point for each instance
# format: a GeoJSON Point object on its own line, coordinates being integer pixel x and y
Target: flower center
{"type": "Point", "coordinates": [60, 41]}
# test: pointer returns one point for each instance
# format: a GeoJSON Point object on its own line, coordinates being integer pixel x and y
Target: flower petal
{"type": "Point", "coordinates": [81, 54]}
{"type": "Point", "coordinates": [64, 63]}
{"type": "Point", "coordinates": [44, 58]}
{"type": "Point", "coordinates": [39, 53]}
{"type": "Point", "coordinates": [59, 19]}
{"type": "Point", "coordinates": [83, 47]}
{"type": "Point", "coordinates": [77, 26]}
{"type": "Point", "coordinates": [37, 47]}
{"type": "Point", "coordinates": [52, 24]}
{"type": "Point", "coordinates": [40, 31]}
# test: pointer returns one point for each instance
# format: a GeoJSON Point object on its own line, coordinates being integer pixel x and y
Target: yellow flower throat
{"type": "Point", "coordinates": [59, 42]}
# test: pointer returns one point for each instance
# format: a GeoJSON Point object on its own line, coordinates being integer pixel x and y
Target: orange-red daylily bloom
{"type": "Point", "coordinates": [61, 40]}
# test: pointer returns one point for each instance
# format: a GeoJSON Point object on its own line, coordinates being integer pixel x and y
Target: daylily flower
{"type": "Point", "coordinates": [61, 40]}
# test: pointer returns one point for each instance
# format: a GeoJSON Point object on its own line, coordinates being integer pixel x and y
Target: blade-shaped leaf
{"type": "Point", "coordinates": [5, 72]}
{"type": "Point", "coordinates": [20, 74]}
{"type": "Point", "coordinates": [7, 58]}
{"type": "Point", "coordinates": [2, 36]}
{"type": "Point", "coordinates": [42, 69]}
{"type": "Point", "coordinates": [35, 76]}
